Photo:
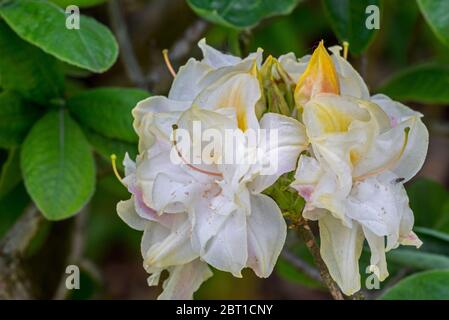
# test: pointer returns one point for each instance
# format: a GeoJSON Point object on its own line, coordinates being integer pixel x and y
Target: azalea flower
{"type": "Point", "coordinates": [195, 214]}
{"type": "Point", "coordinates": [362, 150]}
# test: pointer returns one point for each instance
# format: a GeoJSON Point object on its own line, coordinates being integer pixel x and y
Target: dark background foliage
{"type": "Point", "coordinates": [65, 106]}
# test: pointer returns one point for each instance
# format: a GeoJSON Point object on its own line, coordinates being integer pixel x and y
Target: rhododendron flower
{"type": "Point", "coordinates": [362, 150]}
{"type": "Point", "coordinates": [199, 209]}
{"type": "Point", "coordinates": [194, 214]}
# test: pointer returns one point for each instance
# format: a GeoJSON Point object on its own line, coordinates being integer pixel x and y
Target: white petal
{"type": "Point", "coordinates": [215, 58]}
{"type": "Point", "coordinates": [378, 262]}
{"type": "Point", "coordinates": [266, 235]}
{"type": "Point", "coordinates": [374, 204]}
{"type": "Point", "coordinates": [127, 213]}
{"type": "Point", "coordinates": [351, 83]}
{"type": "Point", "coordinates": [154, 117]}
{"type": "Point", "coordinates": [184, 280]}
{"type": "Point", "coordinates": [240, 92]}
{"type": "Point", "coordinates": [280, 154]}
{"type": "Point", "coordinates": [173, 249]}
{"type": "Point", "coordinates": [206, 219]}
{"type": "Point", "coordinates": [186, 84]}
{"type": "Point", "coordinates": [340, 249]}
{"type": "Point", "coordinates": [227, 250]}
{"type": "Point", "coordinates": [170, 190]}
{"type": "Point", "coordinates": [292, 66]}
{"type": "Point", "coordinates": [418, 139]}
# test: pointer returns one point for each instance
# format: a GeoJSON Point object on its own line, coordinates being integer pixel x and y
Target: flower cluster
{"type": "Point", "coordinates": [354, 151]}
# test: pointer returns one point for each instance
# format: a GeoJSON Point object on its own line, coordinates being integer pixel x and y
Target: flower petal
{"type": "Point", "coordinates": [319, 77]}
{"type": "Point", "coordinates": [127, 213]}
{"type": "Point", "coordinates": [184, 280]}
{"type": "Point", "coordinates": [227, 250]}
{"type": "Point", "coordinates": [351, 83]}
{"type": "Point", "coordinates": [171, 250]}
{"type": "Point", "coordinates": [278, 154]}
{"type": "Point", "coordinates": [415, 152]}
{"type": "Point", "coordinates": [378, 262]}
{"type": "Point", "coordinates": [340, 249]}
{"type": "Point", "coordinates": [186, 84]}
{"type": "Point", "coordinates": [240, 91]}
{"type": "Point", "coordinates": [266, 234]}
{"type": "Point", "coordinates": [215, 58]}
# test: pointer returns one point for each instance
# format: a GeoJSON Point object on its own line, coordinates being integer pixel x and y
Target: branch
{"type": "Point", "coordinates": [301, 265]}
{"type": "Point", "coordinates": [306, 234]}
{"type": "Point", "coordinates": [76, 251]}
{"type": "Point", "coordinates": [127, 53]}
{"type": "Point", "coordinates": [14, 282]}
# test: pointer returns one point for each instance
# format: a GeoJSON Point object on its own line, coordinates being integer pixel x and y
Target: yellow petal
{"type": "Point", "coordinates": [319, 77]}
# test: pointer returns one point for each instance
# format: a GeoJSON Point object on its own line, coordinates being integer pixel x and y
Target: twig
{"type": "Point", "coordinates": [20, 235]}
{"type": "Point", "coordinates": [309, 239]}
{"type": "Point", "coordinates": [127, 53]}
{"type": "Point", "coordinates": [14, 281]}
{"type": "Point", "coordinates": [301, 265]}
{"type": "Point", "coordinates": [76, 251]}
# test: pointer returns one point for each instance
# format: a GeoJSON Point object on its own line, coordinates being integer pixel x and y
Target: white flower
{"type": "Point", "coordinates": [214, 213]}
{"type": "Point", "coordinates": [362, 150]}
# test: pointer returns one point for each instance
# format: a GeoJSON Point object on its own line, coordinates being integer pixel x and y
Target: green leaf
{"type": "Point", "coordinates": [58, 166]}
{"type": "Point", "coordinates": [240, 14]}
{"type": "Point", "coordinates": [12, 206]}
{"type": "Point", "coordinates": [347, 18]}
{"type": "Point", "coordinates": [42, 23]}
{"type": "Point", "coordinates": [108, 111]}
{"type": "Point", "coordinates": [10, 175]}
{"type": "Point", "coordinates": [106, 146]}
{"type": "Point", "coordinates": [27, 69]}
{"type": "Point", "coordinates": [429, 285]}
{"type": "Point", "coordinates": [424, 84]}
{"type": "Point", "coordinates": [428, 201]}
{"type": "Point", "coordinates": [16, 117]}
{"type": "Point", "coordinates": [433, 241]}
{"type": "Point", "coordinates": [418, 260]}
{"type": "Point", "coordinates": [436, 13]}
{"type": "Point", "coordinates": [78, 3]}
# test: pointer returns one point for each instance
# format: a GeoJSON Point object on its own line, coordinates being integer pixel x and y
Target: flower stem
{"type": "Point", "coordinates": [306, 234]}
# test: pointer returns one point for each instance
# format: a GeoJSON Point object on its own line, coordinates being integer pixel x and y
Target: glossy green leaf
{"type": "Point", "coordinates": [42, 23]}
{"type": "Point", "coordinates": [108, 111]}
{"type": "Point", "coordinates": [240, 14]}
{"type": "Point", "coordinates": [58, 166]}
{"type": "Point", "coordinates": [425, 84]}
{"type": "Point", "coordinates": [436, 13]}
{"type": "Point", "coordinates": [428, 201]}
{"type": "Point", "coordinates": [10, 175]}
{"type": "Point", "coordinates": [27, 69]}
{"type": "Point", "coordinates": [16, 118]}
{"type": "Point", "coordinates": [78, 3]}
{"type": "Point", "coordinates": [429, 285]}
{"type": "Point", "coordinates": [433, 241]}
{"type": "Point", "coordinates": [418, 259]}
{"type": "Point", "coordinates": [348, 20]}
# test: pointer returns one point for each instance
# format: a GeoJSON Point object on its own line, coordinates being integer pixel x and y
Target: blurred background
{"type": "Point", "coordinates": [406, 58]}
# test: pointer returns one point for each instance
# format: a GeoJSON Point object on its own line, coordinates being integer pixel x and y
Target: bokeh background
{"type": "Point", "coordinates": [108, 251]}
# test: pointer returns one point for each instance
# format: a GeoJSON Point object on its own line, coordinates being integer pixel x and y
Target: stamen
{"type": "Point", "coordinates": [114, 168]}
{"type": "Point", "coordinates": [210, 173]}
{"type": "Point", "coordinates": [168, 63]}
{"type": "Point", "coordinates": [345, 49]}
{"type": "Point", "coordinates": [389, 164]}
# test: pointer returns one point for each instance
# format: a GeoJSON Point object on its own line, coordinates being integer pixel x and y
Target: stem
{"type": "Point", "coordinates": [127, 55]}
{"type": "Point", "coordinates": [306, 234]}
{"type": "Point", "coordinates": [301, 265]}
